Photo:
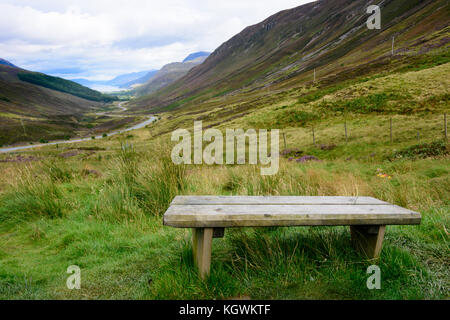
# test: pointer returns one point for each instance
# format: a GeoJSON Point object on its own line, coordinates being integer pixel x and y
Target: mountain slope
{"type": "Point", "coordinates": [121, 80]}
{"type": "Point", "coordinates": [64, 85]}
{"type": "Point", "coordinates": [170, 73]}
{"type": "Point", "coordinates": [329, 36]}
{"type": "Point", "coordinates": [29, 112]}
{"type": "Point", "coordinates": [145, 78]}
{"type": "Point", "coordinates": [6, 63]}
{"type": "Point", "coordinates": [196, 55]}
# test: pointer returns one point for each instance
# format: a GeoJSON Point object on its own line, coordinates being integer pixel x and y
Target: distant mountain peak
{"type": "Point", "coordinates": [196, 55]}
{"type": "Point", "coordinates": [7, 63]}
{"type": "Point", "coordinates": [170, 73]}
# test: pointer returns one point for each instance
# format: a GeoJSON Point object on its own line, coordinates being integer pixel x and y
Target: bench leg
{"type": "Point", "coordinates": [201, 244]}
{"type": "Point", "coordinates": [368, 240]}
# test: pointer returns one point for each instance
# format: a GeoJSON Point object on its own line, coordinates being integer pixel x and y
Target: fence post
{"type": "Point", "coordinates": [393, 41]}
{"type": "Point", "coordinates": [314, 136]}
{"type": "Point", "coordinates": [418, 135]}
{"type": "Point", "coordinates": [346, 136]}
{"type": "Point", "coordinates": [392, 140]}
{"type": "Point", "coordinates": [445, 126]}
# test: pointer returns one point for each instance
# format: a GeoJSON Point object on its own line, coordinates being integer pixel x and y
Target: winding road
{"type": "Point", "coordinates": [140, 125]}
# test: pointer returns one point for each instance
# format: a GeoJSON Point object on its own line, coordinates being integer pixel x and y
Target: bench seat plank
{"type": "Point", "coordinates": [237, 215]}
{"type": "Point", "coordinates": [263, 200]}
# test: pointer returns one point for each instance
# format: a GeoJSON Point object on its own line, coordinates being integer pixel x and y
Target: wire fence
{"type": "Point", "coordinates": [388, 130]}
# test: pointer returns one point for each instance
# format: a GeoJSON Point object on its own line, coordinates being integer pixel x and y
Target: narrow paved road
{"type": "Point", "coordinates": [135, 127]}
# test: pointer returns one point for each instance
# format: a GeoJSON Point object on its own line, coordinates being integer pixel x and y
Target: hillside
{"type": "Point", "coordinates": [145, 78]}
{"type": "Point", "coordinates": [170, 73]}
{"type": "Point", "coordinates": [65, 86]}
{"type": "Point", "coordinates": [6, 63]}
{"type": "Point", "coordinates": [196, 55]}
{"type": "Point", "coordinates": [123, 79]}
{"type": "Point", "coordinates": [282, 51]}
{"type": "Point", "coordinates": [29, 112]}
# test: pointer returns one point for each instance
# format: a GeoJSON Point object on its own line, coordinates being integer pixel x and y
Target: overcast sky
{"type": "Point", "coordinates": [99, 39]}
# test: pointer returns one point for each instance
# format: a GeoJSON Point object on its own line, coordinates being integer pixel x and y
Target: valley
{"type": "Point", "coordinates": [137, 126]}
{"type": "Point", "coordinates": [355, 119]}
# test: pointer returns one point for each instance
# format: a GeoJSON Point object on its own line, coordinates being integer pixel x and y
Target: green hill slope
{"type": "Point", "coordinates": [63, 85]}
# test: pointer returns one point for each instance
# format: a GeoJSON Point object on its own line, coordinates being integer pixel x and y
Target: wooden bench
{"type": "Point", "coordinates": [210, 215]}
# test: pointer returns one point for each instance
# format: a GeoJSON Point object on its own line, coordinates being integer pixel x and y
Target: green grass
{"type": "Point", "coordinates": [111, 226]}
{"type": "Point", "coordinates": [427, 61]}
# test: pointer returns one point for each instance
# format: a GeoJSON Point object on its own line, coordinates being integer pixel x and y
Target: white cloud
{"type": "Point", "coordinates": [106, 38]}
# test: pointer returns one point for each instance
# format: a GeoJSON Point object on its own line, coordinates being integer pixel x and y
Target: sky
{"type": "Point", "coordinates": [100, 39]}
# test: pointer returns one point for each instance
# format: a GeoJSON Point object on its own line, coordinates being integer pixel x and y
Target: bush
{"type": "Point", "coordinates": [297, 117]}
{"type": "Point", "coordinates": [377, 102]}
{"type": "Point", "coordinates": [316, 95]}
{"type": "Point", "coordinates": [422, 151]}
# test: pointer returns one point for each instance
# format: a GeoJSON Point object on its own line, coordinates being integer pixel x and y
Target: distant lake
{"type": "Point", "coordinates": [104, 88]}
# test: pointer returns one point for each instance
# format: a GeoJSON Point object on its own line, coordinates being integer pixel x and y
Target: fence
{"type": "Point", "coordinates": [426, 128]}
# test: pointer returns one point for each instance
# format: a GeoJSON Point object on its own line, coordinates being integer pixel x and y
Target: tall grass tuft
{"type": "Point", "coordinates": [33, 196]}
{"type": "Point", "coordinates": [57, 171]}
{"type": "Point", "coordinates": [155, 189]}
{"type": "Point", "coordinates": [141, 184]}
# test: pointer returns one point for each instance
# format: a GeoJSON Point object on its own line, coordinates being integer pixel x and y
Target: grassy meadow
{"type": "Point", "coordinates": [99, 204]}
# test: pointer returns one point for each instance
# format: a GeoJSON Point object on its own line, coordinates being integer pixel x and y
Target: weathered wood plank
{"type": "Point", "coordinates": [264, 200]}
{"type": "Point", "coordinates": [287, 215]}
